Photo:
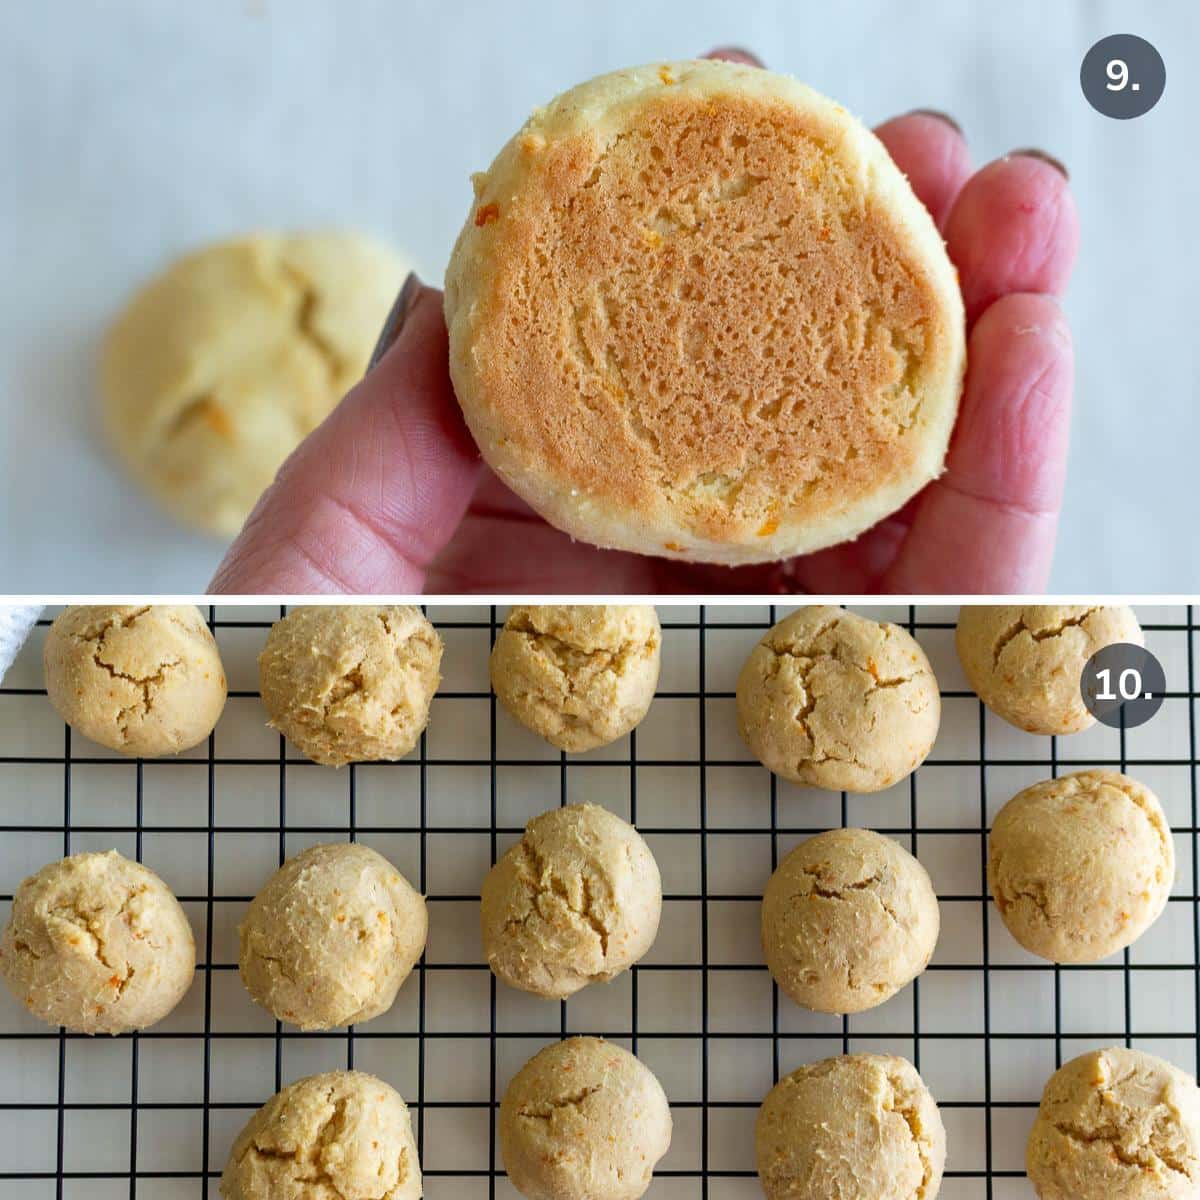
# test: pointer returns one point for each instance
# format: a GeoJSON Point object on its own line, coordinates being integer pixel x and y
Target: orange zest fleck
{"type": "Point", "coordinates": [486, 214]}
{"type": "Point", "coordinates": [664, 73]}
{"type": "Point", "coordinates": [674, 547]}
{"type": "Point", "coordinates": [768, 527]}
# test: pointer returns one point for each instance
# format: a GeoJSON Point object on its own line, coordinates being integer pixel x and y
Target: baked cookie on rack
{"type": "Point", "coordinates": [848, 919]}
{"type": "Point", "coordinates": [831, 699]}
{"type": "Point", "coordinates": [1116, 1123]}
{"type": "Point", "coordinates": [1082, 865]}
{"type": "Point", "coordinates": [576, 901]}
{"type": "Point", "coordinates": [97, 943]}
{"type": "Point", "coordinates": [583, 1120]}
{"type": "Point", "coordinates": [331, 937]}
{"type": "Point", "coordinates": [351, 683]}
{"type": "Point", "coordinates": [860, 1125]}
{"type": "Point", "coordinates": [1025, 662]}
{"type": "Point", "coordinates": [339, 1134]}
{"type": "Point", "coordinates": [145, 680]}
{"type": "Point", "coordinates": [579, 675]}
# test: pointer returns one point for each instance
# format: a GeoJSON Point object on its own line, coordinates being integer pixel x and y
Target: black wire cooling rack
{"type": "Point", "coordinates": [1011, 1004]}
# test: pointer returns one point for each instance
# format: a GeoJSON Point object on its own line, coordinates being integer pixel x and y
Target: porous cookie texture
{"type": "Point", "coordinates": [848, 919]}
{"type": "Point", "coordinates": [859, 1126]}
{"type": "Point", "coordinates": [222, 364]}
{"type": "Point", "coordinates": [583, 1120]}
{"type": "Point", "coordinates": [1116, 1125]}
{"type": "Point", "coordinates": [99, 944]}
{"type": "Point", "coordinates": [351, 683]}
{"type": "Point", "coordinates": [832, 699]}
{"type": "Point", "coordinates": [697, 311]}
{"type": "Point", "coordinates": [342, 1135]}
{"type": "Point", "coordinates": [576, 901]}
{"type": "Point", "coordinates": [1082, 865]}
{"type": "Point", "coordinates": [331, 937]}
{"type": "Point", "coordinates": [1025, 662]}
{"type": "Point", "coordinates": [579, 675]}
{"type": "Point", "coordinates": [145, 680]}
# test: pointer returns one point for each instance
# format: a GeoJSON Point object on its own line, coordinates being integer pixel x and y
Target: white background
{"type": "Point", "coordinates": [943, 804]}
{"type": "Point", "coordinates": [132, 131]}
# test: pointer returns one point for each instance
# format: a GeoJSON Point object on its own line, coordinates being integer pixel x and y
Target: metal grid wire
{"type": "Point", "coordinates": [152, 1114]}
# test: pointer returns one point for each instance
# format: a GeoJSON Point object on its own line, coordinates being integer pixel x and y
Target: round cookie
{"type": "Point", "coordinates": [97, 943]}
{"type": "Point", "coordinates": [579, 675]}
{"type": "Point", "coordinates": [697, 311]}
{"type": "Point", "coordinates": [1081, 866]}
{"type": "Point", "coordinates": [583, 1120]}
{"type": "Point", "coordinates": [331, 937]}
{"type": "Point", "coordinates": [848, 919]}
{"type": "Point", "coordinates": [862, 1125]}
{"type": "Point", "coordinates": [1025, 662]}
{"type": "Point", "coordinates": [351, 683]}
{"type": "Point", "coordinates": [222, 364]}
{"type": "Point", "coordinates": [1116, 1123]}
{"type": "Point", "coordinates": [339, 1134]}
{"type": "Point", "coordinates": [145, 680]}
{"type": "Point", "coordinates": [576, 901]}
{"type": "Point", "coordinates": [831, 699]}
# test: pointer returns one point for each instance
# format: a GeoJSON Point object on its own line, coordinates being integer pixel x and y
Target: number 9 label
{"type": "Point", "coordinates": [1123, 76]}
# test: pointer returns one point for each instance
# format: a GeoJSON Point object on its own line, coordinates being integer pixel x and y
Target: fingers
{"type": "Point", "coordinates": [735, 54]}
{"type": "Point", "coordinates": [931, 150]}
{"type": "Point", "coordinates": [367, 501]}
{"type": "Point", "coordinates": [988, 524]}
{"type": "Point", "coordinates": [1013, 228]}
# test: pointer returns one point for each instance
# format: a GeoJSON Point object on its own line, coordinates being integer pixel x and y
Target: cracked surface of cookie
{"type": "Point", "coordinates": [145, 680]}
{"type": "Point", "coordinates": [696, 311]}
{"type": "Point", "coordinates": [583, 1120]}
{"type": "Point", "coordinates": [341, 1135]}
{"type": "Point", "coordinates": [579, 675]}
{"type": "Point", "coordinates": [223, 363]}
{"type": "Point", "coordinates": [331, 937]}
{"type": "Point", "coordinates": [1082, 865]}
{"type": "Point", "coordinates": [1116, 1124]}
{"type": "Point", "coordinates": [857, 1126]}
{"type": "Point", "coordinates": [97, 943]}
{"type": "Point", "coordinates": [832, 699]}
{"type": "Point", "coordinates": [351, 683]}
{"type": "Point", "coordinates": [576, 901]}
{"type": "Point", "coordinates": [1025, 661]}
{"type": "Point", "coordinates": [848, 918]}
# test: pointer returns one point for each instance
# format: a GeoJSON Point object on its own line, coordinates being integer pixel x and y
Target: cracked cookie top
{"type": "Point", "coordinates": [696, 311]}
{"type": "Point", "coordinates": [331, 937]}
{"type": "Point", "coordinates": [351, 683]}
{"type": "Point", "coordinates": [1025, 661]}
{"type": "Point", "coordinates": [342, 1135]}
{"type": "Point", "coordinates": [848, 919]}
{"type": "Point", "coordinates": [97, 943]}
{"type": "Point", "coordinates": [579, 675]}
{"type": "Point", "coordinates": [145, 680]}
{"type": "Point", "coordinates": [832, 699]}
{"type": "Point", "coordinates": [583, 1120]}
{"type": "Point", "coordinates": [576, 901]}
{"type": "Point", "coordinates": [1082, 865]}
{"type": "Point", "coordinates": [860, 1125]}
{"type": "Point", "coordinates": [1116, 1123]}
{"type": "Point", "coordinates": [223, 363]}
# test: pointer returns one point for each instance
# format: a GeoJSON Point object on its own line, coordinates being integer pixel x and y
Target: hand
{"type": "Point", "coordinates": [389, 495]}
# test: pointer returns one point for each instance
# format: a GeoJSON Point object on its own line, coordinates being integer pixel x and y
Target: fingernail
{"type": "Point", "coordinates": [1044, 157]}
{"type": "Point", "coordinates": [937, 114]}
{"type": "Point", "coordinates": [736, 54]}
{"type": "Point", "coordinates": [395, 319]}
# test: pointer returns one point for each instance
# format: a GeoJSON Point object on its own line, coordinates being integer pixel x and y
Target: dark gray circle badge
{"type": "Point", "coordinates": [1123, 679]}
{"type": "Point", "coordinates": [1123, 76]}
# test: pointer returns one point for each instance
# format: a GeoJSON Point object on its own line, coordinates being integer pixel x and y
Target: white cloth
{"type": "Point", "coordinates": [16, 621]}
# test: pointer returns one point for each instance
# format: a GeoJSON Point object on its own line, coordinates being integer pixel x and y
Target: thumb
{"type": "Point", "coordinates": [374, 493]}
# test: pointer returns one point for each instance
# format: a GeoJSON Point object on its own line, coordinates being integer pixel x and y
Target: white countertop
{"type": "Point", "coordinates": [133, 131]}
